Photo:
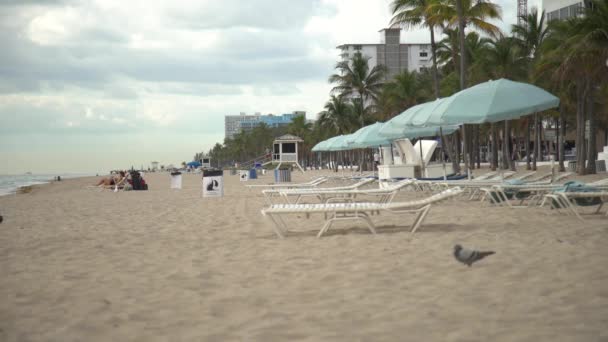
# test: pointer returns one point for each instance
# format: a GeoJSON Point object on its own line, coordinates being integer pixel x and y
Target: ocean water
{"type": "Point", "coordinates": [10, 183]}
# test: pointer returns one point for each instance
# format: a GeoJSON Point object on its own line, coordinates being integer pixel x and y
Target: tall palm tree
{"type": "Point", "coordinates": [577, 49]}
{"type": "Point", "coordinates": [414, 13]}
{"type": "Point", "coordinates": [356, 79]}
{"type": "Point", "coordinates": [448, 50]}
{"type": "Point", "coordinates": [338, 117]}
{"type": "Point", "coordinates": [475, 13]}
{"type": "Point", "coordinates": [463, 13]}
{"type": "Point", "coordinates": [403, 91]}
{"type": "Point", "coordinates": [530, 35]}
{"type": "Point", "coordinates": [501, 59]}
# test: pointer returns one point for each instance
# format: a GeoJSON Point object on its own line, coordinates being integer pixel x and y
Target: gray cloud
{"type": "Point", "coordinates": [265, 14]}
{"type": "Point", "coordinates": [94, 57]}
{"type": "Point", "coordinates": [35, 2]}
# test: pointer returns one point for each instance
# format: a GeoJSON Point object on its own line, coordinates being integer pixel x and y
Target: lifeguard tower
{"type": "Point", "coordinates": [206, 163]}
{"type": "Point", "coordinates": [285, 150]}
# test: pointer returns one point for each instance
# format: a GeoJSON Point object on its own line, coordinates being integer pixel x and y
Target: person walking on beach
{"type": "Point", "coordinates": [376, 160]}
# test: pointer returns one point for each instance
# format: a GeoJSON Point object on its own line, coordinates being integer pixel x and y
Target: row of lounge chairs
{"type": "Point", "coordinates": [339, 202]}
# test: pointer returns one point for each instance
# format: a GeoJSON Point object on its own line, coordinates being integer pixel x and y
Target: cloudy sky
{"type": "Point", "coordinates": [94, 85]}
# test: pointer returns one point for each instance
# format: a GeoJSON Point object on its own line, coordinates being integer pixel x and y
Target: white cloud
{"type": "Point", "coordinates": [173, 68]}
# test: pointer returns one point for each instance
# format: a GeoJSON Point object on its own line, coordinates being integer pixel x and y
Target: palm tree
{"type": "Point", "coordinates": [300, 128]}
{"type": "Point", "coordinates": [577, 49]}
{"type": "Point", "coordinates": [338, 116]}
{"type": "Point", "coordinates": [405, 90]}
{"type": "Point", "coordinates": [448, 50]}
{"type": "Point", "coordinates": [462, 13]}
{"type": "Point", "coordinates": [531, 33]}
{"type": "Point", "coordinates": [355, 79]}
{"type": "Point", "coordinates": [414, 13]}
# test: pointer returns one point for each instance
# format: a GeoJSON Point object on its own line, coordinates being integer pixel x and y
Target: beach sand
{"type": "Point", "coordinates": [80, 264]}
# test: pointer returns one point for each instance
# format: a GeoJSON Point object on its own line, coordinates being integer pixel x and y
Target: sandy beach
{"type": "Point", "coordinates": [80, 264]}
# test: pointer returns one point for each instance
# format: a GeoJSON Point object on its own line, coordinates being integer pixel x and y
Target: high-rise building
{"type": "Point", "coordinates": [562, 9]}
{"type": "Point", "coordinates": [390, 52]}
{"type": "Point", "coordinates": [234, 124]}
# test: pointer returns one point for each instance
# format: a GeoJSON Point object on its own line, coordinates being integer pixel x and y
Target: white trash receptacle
{"type": "Point", "coordinates": [176, 180]}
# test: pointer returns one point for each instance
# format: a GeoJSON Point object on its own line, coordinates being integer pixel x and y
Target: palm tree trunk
{"type": "Point", "coordinates": [591, 148]}
{"type": "Point", "coordinates": [505, 147]}
{"type": "Point", "coordinates": [494, 147]}
{"type": "Point", "coordinates": [561, 137]}
{"type": "Point", "coordinates": [457, 148]}
{"type": "Point", "coordinates": [461, 36]}
{"type": "Point", "coordinates": [465, 148]}
{"type": "Point", "coordinates": [448, 147]}
{"type": "Point", "coordinates": [536, 140]}
{"type": "Point", "coordinates": [510, 164]}
{"type": "Point", "coordinates": [527, 142]}
{"type": "Point", "coordinates": [580, 127]}
{"type": "Point", "coordinates": [435, 72]}
{"type": "Point", "coordinates": [478, 146]}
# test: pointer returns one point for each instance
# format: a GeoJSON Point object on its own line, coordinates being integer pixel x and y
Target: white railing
{"type": "Point", "coordinates": [289, 157]}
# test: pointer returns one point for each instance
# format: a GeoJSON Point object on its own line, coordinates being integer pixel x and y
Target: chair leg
{"type": "Point", "coordinates": [368, 221]}
{"type": "Point", "coordinates": [276, 227]}
{"type": "Point", "coordinates": [325, 226]}
{"type": "Point", "coordinates": [600, 206]}
{"type": "Point", "coordinates": [570, 206]}
{"type": "Point", "coordinates": [420, 217]}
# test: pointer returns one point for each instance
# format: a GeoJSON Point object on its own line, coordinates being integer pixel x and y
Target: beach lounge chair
{"type": "Point", "coordinates": [533, 192]}
{"type": "Point", "coordinates": [383, 195]}
{"type": "Point", "coordinates": [575, 194]}
{"type": "Point", "coordinates": [569, 201]}
{"type": "Point", "coordinates": [354, 211]}
{"type": "Point", "coordinates": [270, 193]}
{"type": "Point", "coordinates": [310, 184]}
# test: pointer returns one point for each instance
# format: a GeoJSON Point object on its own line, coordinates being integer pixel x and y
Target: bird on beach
{"type": "Point", "coordinates": [468, 257]}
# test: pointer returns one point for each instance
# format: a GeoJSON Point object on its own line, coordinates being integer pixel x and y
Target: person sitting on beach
{"type": "Point", "coordinates": [112, 180]}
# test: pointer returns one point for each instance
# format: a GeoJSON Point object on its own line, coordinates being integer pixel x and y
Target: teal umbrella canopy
{"type": "Point", "coordinates": [323, 145]}
{"type": "Point", "coordinates": [490, 101]}
{"type": "Point", "coordinates": [368, 136]}
{"type": "Point", "coordinates": [337, 143]}
{"type": "Point", "coordinates": [427, 131]}
{"type": "Point", "coordinates": [394, 127]}
{"type": "Point", "coordinates": [319, 146]}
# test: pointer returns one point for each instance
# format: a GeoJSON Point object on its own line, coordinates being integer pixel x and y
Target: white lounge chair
{"type": "Point", "coordinates": [383, 195]}
{"type": "Point", "coordinates": [354, 211]}
{"type": "Point", "coordinates": [567, 200]}
{"type": "Point", "coordinates": [270, 193]}
{"type": "Point", "coordinates": [497, 193]}
{"type": "Point", "coordinates": [310, 184]}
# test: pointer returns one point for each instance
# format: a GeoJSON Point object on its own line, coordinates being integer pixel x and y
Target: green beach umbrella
{"type": "Point", "coordinates": [428, 131]}
{"type": "Point", "coordinates": [337, 143]}
{"type": "Point", "coordinates": [368, 136]}
{"type": "Point", "coordinates": [319, 146]}
{"type": "Point", "coordinates": [393, 128]}
{"type": "Point", "coordinates": [323, 145]}
{"type": "Point", "coordinates": [490, 101]}
{"type": "Point", "coordinates": [402, 125]}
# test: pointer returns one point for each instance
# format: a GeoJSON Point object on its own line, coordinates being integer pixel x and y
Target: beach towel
{"type": "Point", "coordinates": [576, 186]}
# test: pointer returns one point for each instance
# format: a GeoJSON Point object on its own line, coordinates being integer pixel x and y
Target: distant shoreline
{"type": "Point", "coordinates": [15, 184]}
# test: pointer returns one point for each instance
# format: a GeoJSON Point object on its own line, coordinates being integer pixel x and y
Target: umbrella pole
{"type": "Point", "coordinates": [445, 175]}
{"type": "Point", "coordinates": [421, 160]}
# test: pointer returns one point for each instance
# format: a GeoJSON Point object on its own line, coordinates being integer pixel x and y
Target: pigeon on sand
{"type": "Point", "coordinates": [468, 257]}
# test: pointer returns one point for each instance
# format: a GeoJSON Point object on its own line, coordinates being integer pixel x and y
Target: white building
{"type": "Point", "coordinates": [390, 52]}
{"type": "Point", "coordinates": [562, 9]}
